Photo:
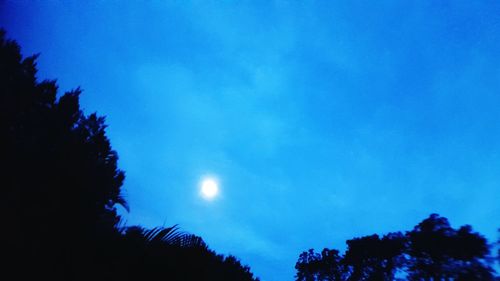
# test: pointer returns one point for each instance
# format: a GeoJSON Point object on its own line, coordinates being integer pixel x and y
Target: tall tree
{"type": "Point", "coordinates": [59, 177]}
{"type": "Point", "coordinates": [60, 187]}
{"type": "Point", "coordinates": [439, 252]}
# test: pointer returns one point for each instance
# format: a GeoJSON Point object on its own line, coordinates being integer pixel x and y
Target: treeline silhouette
{"type": "Point", "coordinates": [432, 251]}
{"type": "Point", "coordinates": [60, 187]}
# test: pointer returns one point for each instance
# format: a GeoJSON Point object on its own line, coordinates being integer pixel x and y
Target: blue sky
{"type": "Point", "coordinates": [322, 120]}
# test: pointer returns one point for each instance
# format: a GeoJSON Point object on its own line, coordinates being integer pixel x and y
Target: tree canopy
{"type": "Point", "coordinates": [60, 189]}
{"type": "Point", "coordinates": [433, 250]}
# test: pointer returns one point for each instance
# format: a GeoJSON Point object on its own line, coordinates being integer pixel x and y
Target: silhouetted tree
{"type": "Point", "coordinates": [327, 266]}
{"type": "Point", "coordinates": [171, 255]}
{"type": "Point", "coordinates": [432, 251]}
{"type": "Point", "coordinates": [60, 187]}
{"type": "Point", "coordinates": [439, 252]}
{"type": "Point", "coordinates": [60, 181]}
{"type": "Point", "coordinates": [372, 258]}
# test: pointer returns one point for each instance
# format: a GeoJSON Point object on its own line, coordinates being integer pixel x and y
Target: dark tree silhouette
{"type": "Point", "coordinates": [432, 251]}
{"type": "Point", "coordinates": [172, 255]}
{"type": "Point", "coordinates": [60, 187]}
{"type": "Point", "coordinates": [439, 252]}
{"type": "Point", "coordinates": [60, 181]}
{"type": "Point", "coordinates": [313, 266]}
{"type": "Point", "coordinates": [372, 258]}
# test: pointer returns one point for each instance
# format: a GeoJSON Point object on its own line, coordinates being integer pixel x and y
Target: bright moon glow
{"type": "Point", "coordinates": [209, 188]}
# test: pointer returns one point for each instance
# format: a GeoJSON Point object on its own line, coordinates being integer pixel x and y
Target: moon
{"type": "Point", "coordinates": [209, 188]}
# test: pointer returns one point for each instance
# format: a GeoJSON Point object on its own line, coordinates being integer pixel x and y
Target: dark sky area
{"type": "Point", "coordinates": [321, 120]}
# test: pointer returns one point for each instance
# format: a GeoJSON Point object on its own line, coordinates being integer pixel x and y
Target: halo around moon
{"type": "Point", "coordinates": [209, 188]}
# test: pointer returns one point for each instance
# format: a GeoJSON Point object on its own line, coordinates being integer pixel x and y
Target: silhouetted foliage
{"type": "Point", "coordinates": [60, 181]}
{"type": "Point", "coordinates": [437, 251]}
{"type": "Point", "coordinates": [60, 187]}
{"type": "Point", "coordinates": [372, 258]}
{"type": "Point", "coordinates": [433, 250]}
{"type": "Point", "coordinates": [171, 255]}
{"type": "Point", "coordinates": [325, 266]}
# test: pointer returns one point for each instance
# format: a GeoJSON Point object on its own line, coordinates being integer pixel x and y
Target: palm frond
{"type": "Point", "coordinates": [192, 241]}
{"type": "Point", "coordinates": [171, 236]}
{"type": "Point", "coordinates": [168, 235]}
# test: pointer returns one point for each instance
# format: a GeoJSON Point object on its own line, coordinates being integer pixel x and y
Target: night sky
{"type": "Point", "coordinates": [321, 121]}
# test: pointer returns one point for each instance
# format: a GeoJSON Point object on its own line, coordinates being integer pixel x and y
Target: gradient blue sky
{"type": "Point", "coordinates": [323, 120]}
